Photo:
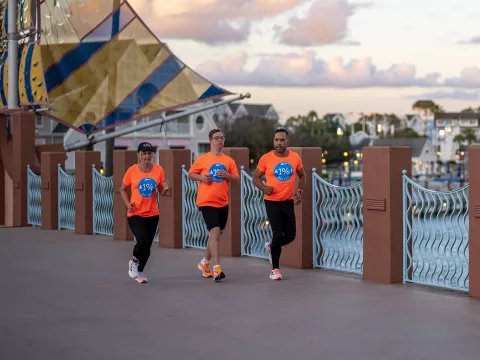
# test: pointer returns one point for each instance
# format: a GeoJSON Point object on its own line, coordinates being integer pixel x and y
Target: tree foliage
{"type": "Point", "coordinates": [252, 132]}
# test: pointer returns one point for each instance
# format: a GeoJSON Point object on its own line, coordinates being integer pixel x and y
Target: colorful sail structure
{"type": "Point", "coordinates": [97, 65]}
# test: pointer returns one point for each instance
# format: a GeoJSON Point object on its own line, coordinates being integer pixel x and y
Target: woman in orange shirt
{"type": "Point", "coordinates": [144, 179]}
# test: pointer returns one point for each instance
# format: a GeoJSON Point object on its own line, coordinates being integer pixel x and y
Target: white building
{"type": "Point", "coordinates": [448, 125]}
{"type": "Point", "coordinates": [423, 152]}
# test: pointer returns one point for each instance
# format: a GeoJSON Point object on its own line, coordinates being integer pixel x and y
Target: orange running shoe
{"type": "Point", "coordinates": [205, 269]}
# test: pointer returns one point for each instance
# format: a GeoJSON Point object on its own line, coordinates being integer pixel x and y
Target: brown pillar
{"type": "Point", "coordinates": [299, 253]}
{"type": "Point", "coordinates": [474, 221]}
{"type": "Point", "coordinates": [383, 212]}
{"type": "Point", "coordinates": [122, 160]}
{"type": "Point", "coordinates": [83, 190]}
{"type": "Point", "coordinates": [49, 166]}
{"type": "Point", "coordinates": [231, 242]}
{"type": "Point", "coordinates": [2, 193]}
{"type": "Point", "coordinates": [170, 227]}
{"type": "Point", "coordinates": [23, 155]}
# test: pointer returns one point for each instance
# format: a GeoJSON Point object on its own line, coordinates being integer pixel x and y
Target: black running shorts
{"type": "Point", "coordinates": [214, 217]}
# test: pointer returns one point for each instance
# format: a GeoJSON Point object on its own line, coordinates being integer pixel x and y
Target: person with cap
{"type": "Point", "coordinates": [144, 179]}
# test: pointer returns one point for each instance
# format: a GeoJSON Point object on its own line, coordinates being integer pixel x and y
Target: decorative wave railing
{"type": "Point", "coordinates": [337, 226]}
{"type": "Point", "coordinates": [435, 236]}
{"type": "Point", "coordinates": [102, 203]}
{"type": "Point", "coordinates": [34, 198]}
{"type": "Point", "coordinates": [256, 230]}
{"type": "Point", "coordinates": [66, 200]}
{"type": "Point", "coordinates": [195, 234]}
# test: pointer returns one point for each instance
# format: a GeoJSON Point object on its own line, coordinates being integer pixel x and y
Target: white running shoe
{"type": "Point", "coordinates": [133, 269]}
{"type": "Point", "coordinates": [141, 278]}
{"type": "Point", "coordinates": [276, 274]}
{"type": "Point", "coordinates": [267, 249]}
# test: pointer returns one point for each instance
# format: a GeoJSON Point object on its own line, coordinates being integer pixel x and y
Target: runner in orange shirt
{"type": "Point", "coordinates": [214, 171]}
{"type": "Point", "coordinates": [144, 179]}
{"type": "Point", "coordinates": [279, 167]}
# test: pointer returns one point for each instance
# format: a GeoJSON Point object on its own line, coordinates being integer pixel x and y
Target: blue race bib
{"type": "Point", "coordinates": [213, 172]}
{"type": "Point", "coordinates": [146, 187]}
{"type": "Point", "coordinates": [283, 171]}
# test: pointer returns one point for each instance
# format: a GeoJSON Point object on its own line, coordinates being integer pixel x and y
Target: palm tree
{"type": "Point", "coordinates": [469, 136]}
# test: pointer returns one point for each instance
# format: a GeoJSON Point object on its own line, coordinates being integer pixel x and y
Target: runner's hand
{"type": "Point", "coordinates": [268, 190]}
{"type": "Point", "coordinates": [131, 206]}
{"type": "Point", "coordinates": [206, 179]}
{"type": "Point", "coordinates": [166, 186]}
{"type": "Point", "coordinates": [297, 198]}
{"type": "Point", "coordinates": [222, 174]}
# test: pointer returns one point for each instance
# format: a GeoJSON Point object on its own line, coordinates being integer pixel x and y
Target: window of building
{"type": "Point", "coordinates": [203, 148]}
{"type": "Point", "coordinates": [200, 123]}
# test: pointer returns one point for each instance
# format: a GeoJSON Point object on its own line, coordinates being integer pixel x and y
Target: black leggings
{"type": "Point", "coordinates": [281, 215]}
{"type": "Point", "coordinates": [143, 228]}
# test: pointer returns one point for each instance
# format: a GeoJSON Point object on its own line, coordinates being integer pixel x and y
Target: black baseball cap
{"type": "Point", "coordinates": [145, 146]}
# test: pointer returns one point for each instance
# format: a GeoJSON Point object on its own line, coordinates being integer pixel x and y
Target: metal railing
{"type": "Point", "coordinates": [66, 200]}
{"type": "Point", "coordinates": [34, 198]}
{"type": "Point", "coordinates": [337, 226]}
{"type": "Point", "coordinates": [256, 230]}
{"type": "Point", "coordinates": [195, 234]}
{"type": "Point", "coordinates": [435, 236]}
{"type": "Point", "coordinates": [102, 203]}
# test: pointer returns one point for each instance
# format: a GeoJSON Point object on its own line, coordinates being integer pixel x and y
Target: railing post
{"type": "Point", "coordinates": [49, 170]}
{"type": "Point", "coordinates": [474, 220]}
{"type": "Point", "coordinates": [83, 190]}
{"type": "Point", "coordinates": [23, 154]}
{"type": "Point", "coordinates": [231, 242]}
{"type": "Point", "coordinates": [171, 208]}
{"type": "Point", "coordinates": [383, 212]}
{"type": "Point", "coordinates": [299, 253]}
{"type": "Point", "coordinates": [3, 198]}
{"type": "Point", "coordinates": [122, 160]}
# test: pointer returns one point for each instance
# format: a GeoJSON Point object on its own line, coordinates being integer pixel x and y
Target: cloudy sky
{"type": "Point", "coordinates": [328, 55]}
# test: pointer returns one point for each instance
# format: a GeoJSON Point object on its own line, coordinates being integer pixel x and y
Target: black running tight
{"type": "Point", "coordinates": [281, 215]}
{"type": "Point", "coordinates": [143, 228]}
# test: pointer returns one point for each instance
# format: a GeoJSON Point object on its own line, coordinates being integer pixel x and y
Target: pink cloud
{"type": "Point", "coordinates": [469, 78]}
{"type": "Point", "coordinates": [305, 69]}
{"type": "Point", "coordinates": [325, 23]}
{"type": "Point", "coordinates": [208, 21]}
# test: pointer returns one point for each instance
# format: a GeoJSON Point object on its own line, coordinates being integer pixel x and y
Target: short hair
{"type": "Point", "coordinates": [213, 131]}
{"type": "Point", "coordinates": [281, 130]}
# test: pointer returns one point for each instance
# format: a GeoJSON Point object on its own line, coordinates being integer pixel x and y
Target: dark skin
{"type": "Point", "coordinates": [280, 144]}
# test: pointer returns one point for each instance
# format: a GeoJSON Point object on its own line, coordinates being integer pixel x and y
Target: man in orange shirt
{"type": "Point", "coordinates": [144, 179]}
{"type": "Point", "coordinates": [214, 171]}
{"type": "Point", "coordinates": [279, 167]}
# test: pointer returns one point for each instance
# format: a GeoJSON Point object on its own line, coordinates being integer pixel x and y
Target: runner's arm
{"type": "Point", "coordinates": [257, 180]}
{"type": "Point", "coordinates": [302, 179]}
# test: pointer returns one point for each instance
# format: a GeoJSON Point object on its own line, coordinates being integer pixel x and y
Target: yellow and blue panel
{"type": "Point", "coordinates": [116, 72]}
{"type": "Point", "coordinates": [25, 12]}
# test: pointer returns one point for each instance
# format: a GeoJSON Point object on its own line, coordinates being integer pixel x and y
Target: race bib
{"type": "Point", "coordinates": [146, 187]}
{"type": "Point", "coordinates": [213, 172]}
{"type": "Point", "coordinates": [283, 171]}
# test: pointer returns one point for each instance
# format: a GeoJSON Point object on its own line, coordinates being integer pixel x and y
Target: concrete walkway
{"type": "Point", "coordinates": [66, 296]}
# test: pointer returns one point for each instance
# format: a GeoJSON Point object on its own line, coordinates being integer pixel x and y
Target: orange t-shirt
{"type": "Point", "coordinates": [216, 193]}
{"type": "Point", "coordinates": [144, 188]}
{"type": "Point", "coordinates": [280, 173]}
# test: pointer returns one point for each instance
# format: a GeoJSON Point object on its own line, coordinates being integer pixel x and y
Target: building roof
{"type": "Point", "coordinates": [233, 107]}
{"type": "Point", "coordinates": [417, 144]}
{"type": "Point", "coordinates": [60, 129]}
{"type": "Point", "coordinates": [457, 115]}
